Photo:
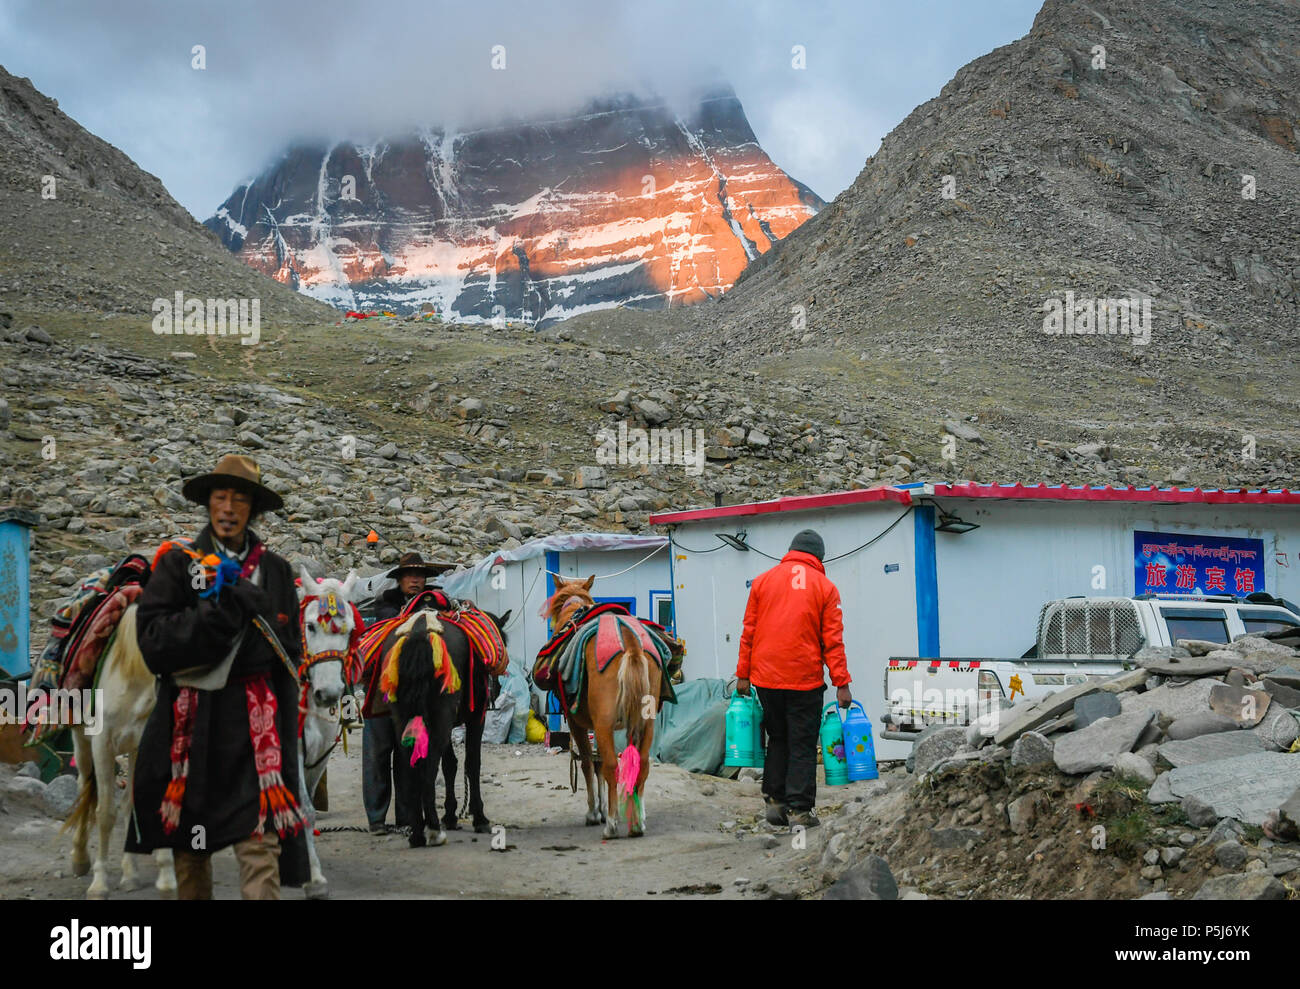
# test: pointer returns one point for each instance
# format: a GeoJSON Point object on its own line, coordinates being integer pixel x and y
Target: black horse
{"type": "Point", "coordinates": [485, 691]}
{"type": "Point", "coordinates": [420, 692]}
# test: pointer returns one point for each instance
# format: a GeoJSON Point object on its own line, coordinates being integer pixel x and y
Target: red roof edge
{"type": "Point", "coordinates": [972, 489]}
{"type": "Point", "coordinates": [790, 503]}
{"type": "Point", "coordinates": [1061, 492]}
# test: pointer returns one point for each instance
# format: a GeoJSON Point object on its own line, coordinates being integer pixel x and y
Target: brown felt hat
{"type": "Point", "coordinates": [234, 471]}
{"type": "Point", "coordinates": [414, 563]}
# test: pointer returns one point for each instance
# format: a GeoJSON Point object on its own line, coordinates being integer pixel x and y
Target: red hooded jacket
{"type": "Point", "coordinates": [793, 625]}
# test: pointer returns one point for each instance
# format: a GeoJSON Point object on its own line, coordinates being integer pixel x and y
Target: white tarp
{"type": "Point", "coordinates": [461, 583]}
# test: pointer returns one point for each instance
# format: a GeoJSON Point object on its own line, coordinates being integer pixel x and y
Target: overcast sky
{"type": "Point", "coordinates": [277, 71]}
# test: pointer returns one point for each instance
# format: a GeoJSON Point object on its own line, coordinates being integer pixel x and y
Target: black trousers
{"type": "Point", "coordinates": [382, 760]}
{"type": "Point", "coordinates": [791, 722]}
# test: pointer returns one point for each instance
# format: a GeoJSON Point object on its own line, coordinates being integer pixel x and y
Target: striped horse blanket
{"type": "Point", "coordinates": [486, 647]}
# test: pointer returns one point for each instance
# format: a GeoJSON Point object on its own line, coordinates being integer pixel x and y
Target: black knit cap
{"type": "Point", "coordinates": [807, 541]}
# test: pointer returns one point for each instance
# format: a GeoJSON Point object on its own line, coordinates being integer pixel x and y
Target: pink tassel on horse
{"type": "Point", "coordinates": [416, 737]}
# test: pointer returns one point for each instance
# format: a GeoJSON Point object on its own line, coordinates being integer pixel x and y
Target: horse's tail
{"type": "Point", "coordinates": [633, 685]}
{"type": "Point", "coordinates": [87, 803]}
{"type": "Point", "coordinates": [417, 681]}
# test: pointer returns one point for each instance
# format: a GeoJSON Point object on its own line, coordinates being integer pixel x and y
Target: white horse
{"type": "Point", "coordinates": [127, 694]}
{"type": "Point", "coordinates": [328, 621]}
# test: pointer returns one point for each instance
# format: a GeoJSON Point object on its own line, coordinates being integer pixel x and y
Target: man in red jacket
{"type": "Point", "coordinates": [793, 625]}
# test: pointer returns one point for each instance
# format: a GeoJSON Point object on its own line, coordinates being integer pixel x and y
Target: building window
{"type": "Point", "coordinates": [661, 609]}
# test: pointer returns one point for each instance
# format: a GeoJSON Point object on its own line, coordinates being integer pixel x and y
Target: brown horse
{"type": "Point", "coordinates": [625, 696]}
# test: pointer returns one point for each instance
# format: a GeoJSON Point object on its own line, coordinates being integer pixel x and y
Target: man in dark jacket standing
{"type": "Point", "coordinates": [382, 759]}
{"type": "Point", "coordinates": [793, 627]}
{"type": "Point", "coordinates": [218, 759]}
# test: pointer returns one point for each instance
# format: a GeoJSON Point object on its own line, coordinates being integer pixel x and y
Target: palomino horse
{"type": "Point", "coordinates": [626, 697]}
{"type": "Point", "coordinates": [127, 695]}
{"type": "Point", "coordinates": [330, 625]}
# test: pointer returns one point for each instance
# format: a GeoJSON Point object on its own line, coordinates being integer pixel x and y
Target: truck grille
{"type": "Point", "coordinates": [1089, 627]}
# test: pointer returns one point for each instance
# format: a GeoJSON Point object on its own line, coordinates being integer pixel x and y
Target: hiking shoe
{"type": "Point", "coordinates": [776, 813]}
{"type": "Point", "coordinates": [380, 828]}
{"type": "Point", "coordinates": [805, 819]}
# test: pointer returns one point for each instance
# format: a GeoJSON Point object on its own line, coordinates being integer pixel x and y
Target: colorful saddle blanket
{"type": "Point", "coordinates": [485, 643]}
{"type": "Point", "coordinates": [79, 632]}
{"type": "Point", "coordinates": [561, 667]}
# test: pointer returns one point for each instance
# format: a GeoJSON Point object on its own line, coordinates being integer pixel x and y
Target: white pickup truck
{"type": "Point", "coordinates": [1078, 638]}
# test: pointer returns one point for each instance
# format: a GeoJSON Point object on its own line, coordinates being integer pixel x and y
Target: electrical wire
{"type": "Point", "coordinates": [832, 559]}
{"type": "Point", "coordinates": [619, 573]}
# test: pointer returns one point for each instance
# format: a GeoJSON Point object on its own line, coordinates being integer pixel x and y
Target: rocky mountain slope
{"type": "Point", "coordinates": [1035, 172]}
{"type": "Point", "coordinates": [83, 228]}
{"type": "Point", "coordinates": [626, 203]}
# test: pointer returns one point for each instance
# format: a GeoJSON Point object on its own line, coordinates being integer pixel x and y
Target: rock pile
{"type": "Point", "coordinates": [1179, 778]}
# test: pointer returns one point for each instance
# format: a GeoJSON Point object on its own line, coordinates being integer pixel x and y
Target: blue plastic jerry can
{"type": "Point", "coordinates": [859, 750]}
{"type": "Point", "coordinates": [743, 743]}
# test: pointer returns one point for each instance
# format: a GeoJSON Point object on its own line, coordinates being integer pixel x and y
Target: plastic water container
{"type": "Point", "coordinates": [859, 750]}
{"type": "Point", "coordinates": [832, 742]}
{"type": "Point", "coordinates": [555, 720]}
{"type": "Point", "coordinates": [744, 715]}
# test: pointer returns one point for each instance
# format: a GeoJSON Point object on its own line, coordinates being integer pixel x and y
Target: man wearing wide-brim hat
{"type": "Point", "coordinates": [382, 760]}
{"type": "Point", "coordinates": [218, 760]}
{"type": "Point", "coordinates": [412, 575]}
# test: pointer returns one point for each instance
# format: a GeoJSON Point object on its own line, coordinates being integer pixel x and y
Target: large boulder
{"type": "Point", "coordinates": [1242, 886]}
{"type": "Point", "coordinates": [1247, 787]}
{"type": "Point", "coordinates": [1096, 746]}
{"type": "Point", "coordinates": [1094, 707]}
{"type": "Point", "coordinates": [935, 748]}
{"type": "Point", "coordinates": [1199, 723]}
{"type": "Point", "coordinates": [1031, 749]}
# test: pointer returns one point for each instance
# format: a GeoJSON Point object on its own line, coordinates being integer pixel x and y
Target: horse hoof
{"type": "Point", "coordinates": [317, 891]}
{"type": "Point", "coordinates": [593, 818]}
{"type": "Point", "coordinates": [438, 839]}
{"type": "Point", "coordinates": [451, 824]}
{"type": "Point", "coordinates": [416, 840]}
{"type": "Point", "coordinates": [166, 892]}
{"type": "Point", "coordinates": [80, 867]}
{"type": "Point", "coordinates": [97, 891]}
{"type": "Point", "coordinates": [638, 833]}
{"type": "Point", "coordinates": [483, 827]}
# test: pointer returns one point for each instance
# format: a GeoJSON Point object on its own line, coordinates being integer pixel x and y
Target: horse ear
{"type": "Point", "coordinates": [504, 618]}
{"type": "Point", "coordinates": [587, 584]}
{"type": "Point", "coordinates": [308, 581]}
{"type": "Point", "coordinates": [349, 585]}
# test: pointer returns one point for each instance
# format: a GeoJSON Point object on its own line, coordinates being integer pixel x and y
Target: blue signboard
{"type": "Point", "coordinates": [14, 590]}
{"type": "Point", "coordinates": [1184, 563]}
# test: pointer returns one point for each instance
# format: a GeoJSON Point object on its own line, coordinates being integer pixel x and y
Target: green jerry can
{"type": "Point", "coordinates": [744, 740]}
{"type": "Point", "coordinates": [832, 741]}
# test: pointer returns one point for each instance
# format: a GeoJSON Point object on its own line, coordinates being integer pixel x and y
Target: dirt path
{"type": "Point", "coordinates": [688, 850]}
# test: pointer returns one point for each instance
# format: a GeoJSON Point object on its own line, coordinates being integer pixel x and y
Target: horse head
{"type": "Point", "coordinates": [570, 597]}
{"type": "Point", "coordinates": [500, 622]}
{"type": "Point", "coordinates": [328, 623]}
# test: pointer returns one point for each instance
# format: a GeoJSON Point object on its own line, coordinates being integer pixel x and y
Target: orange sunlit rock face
{"type": "Point", "coordinates": [627, 203]}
